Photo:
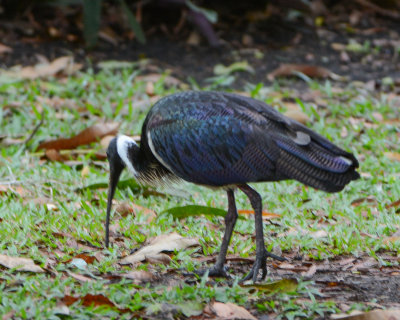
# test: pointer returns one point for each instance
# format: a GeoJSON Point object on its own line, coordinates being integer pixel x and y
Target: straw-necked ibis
{"type": "Point", "coordinates": [226, 140]}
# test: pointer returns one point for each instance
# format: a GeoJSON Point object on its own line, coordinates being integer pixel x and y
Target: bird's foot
{"type": "Point", "coordinates": [213, 272]}
{"type": "Point", "coordinates": [261, 264]}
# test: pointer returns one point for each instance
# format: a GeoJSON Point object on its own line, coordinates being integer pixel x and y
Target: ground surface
{"type": "Point", "coordinates": [342, 249]}
{"type": "Point", "coordinates": [352, 41]}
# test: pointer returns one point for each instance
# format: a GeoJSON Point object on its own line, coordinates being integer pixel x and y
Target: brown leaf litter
{"type": "Point", "coordinates": [87, 136]}
{"type": "Point", "coordinates": [20, 264]}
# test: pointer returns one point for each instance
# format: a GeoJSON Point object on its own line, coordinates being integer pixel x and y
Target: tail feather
{"type": "Point", "coordinates": [317, 166]}
{"type": "Point", "coordinates": [318, 156]}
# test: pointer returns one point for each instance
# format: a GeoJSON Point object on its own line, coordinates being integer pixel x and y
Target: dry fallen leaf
{"type": "Point", "coordinates": [393, 314]}
{"type": "Point", "coordinates": [346, 261]}
{"type": "Point", "coordinates": [88, 300]}
{"type": "Point", "coordinates": [393, 122]}
{"type": "Point", "coordinates": [79, 277]}
{"type": "Point", "coordinates": [40, 201]}
{"type": "Point", "coordinates": [338, 46]}
{"type": "Point", "coordinates": [20, 264]}
{"type": "Point", "coordinates": [390, 205]}
{"type": "Point", "coordinates": [309, 70]}
{"type": "Point", "coordinates": [85, 171]}
{"type": "Point", "coordinates": [154, 77]}
{"type": "Point", "coordinates": [51, 207]}
{"type": "Point", "coordinates": [105, 141]}
{"type": "Point", "coordinates": [319, 234]}
{"type": "Point", "coordinates": [125, 208]}
{"type": "Point", "coordinates": [54, 155]}
{"type": "Point", "coordinates": [298, 115]}
{"type": "Point", "coordinates": [58, 103]}
{"type": "Point", "coordinates": [365, 265]}
{"type": "Point", "coordinates": [266, 215]}
{"type": "Point", "coordinates": [291, 106]}
{"type": "Point", "coordinates": [4, 189]}
{"type": "Point", "coordinates": [63, 65]}
{"type": "Point", "coordinates": [286, 266]}
{"type": "Point", "coordinates": [144, 104]}
{"type": "Point", "coordinates": [5, 49]}
{"type": "Point", "coordinates": [310, 272]}
{"type": "Point", "coordinates": [395, 237]}
{"type": "Point", "coordinates": [164, 242]}
{"type": "Point", "coordinates": [140, 275]}
{"type": "Point", "coordinates": [150, 88]}
{"type": "Point", "coordinates": [86, 258]}
{"type": "Point", "coordinates": [391, 239]}
{"type": "Point", "coordinates": [87, 136]}
{"type": "Point", "coordinates": [6, 142]}
{"type": "Point", "coordinates": [359, 201]}
{"type": "Point", "coordinates": [61, 309]}
{"type": "Point", "coordinates": [158, 258]}
{"type": "Point", "coordinates": [231, 311]}
{"type": "Point", "coordinates": [193, 39]}
{"type": "Point", "coordinates": [109, 35]}
{"type": "Point", "coordinates": [395, 156]}
{"type": "Point", "coordinates": [9, 315]}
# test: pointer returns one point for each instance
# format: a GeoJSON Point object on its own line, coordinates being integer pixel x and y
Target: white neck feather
{"type": "Point", "coordinates": [123, 145]}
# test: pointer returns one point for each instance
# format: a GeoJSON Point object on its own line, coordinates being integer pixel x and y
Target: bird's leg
{"type": "Point", "coordinates": [230, 219]}
{"type": "Point", "coordinates": [261, 252]}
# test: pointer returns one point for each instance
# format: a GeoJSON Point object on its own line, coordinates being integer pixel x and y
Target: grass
{"type": "Point", "coordinates": [30, 229]}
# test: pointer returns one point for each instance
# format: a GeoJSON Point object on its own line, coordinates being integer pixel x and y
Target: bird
{"type": "Point", "coordinates": [225, 140]}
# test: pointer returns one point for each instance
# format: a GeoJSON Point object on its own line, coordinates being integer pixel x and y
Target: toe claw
{"type": "Point", "coordinates": [256, 267]}
{"type": "Point", "coordinates": [264, 272]}
{"type": "Point", "coordinates": [259, 264]}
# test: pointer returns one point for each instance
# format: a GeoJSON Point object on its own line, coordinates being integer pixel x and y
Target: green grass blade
{"type": "Point", "coordinates": [137, 29]}
{"type": "Point", "coordinates": [91, 21]}
{"type": "Point", "coordinates": [211, 15]}
{"type": "Point", "coordinates": [193, 210]}
{"type": "Point", "coordinates": [123, 184]}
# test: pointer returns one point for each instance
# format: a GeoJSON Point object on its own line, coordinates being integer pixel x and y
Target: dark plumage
{"type": "Point", "coordinates": [225, 140]}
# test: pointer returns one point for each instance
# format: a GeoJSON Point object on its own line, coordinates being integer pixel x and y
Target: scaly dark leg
{"type": "Point", "coordinates": [261, 252]}
{"type": "Point", "coordinates": [230, 219]}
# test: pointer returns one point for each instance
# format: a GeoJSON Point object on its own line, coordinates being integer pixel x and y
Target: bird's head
{"type": "Point", "coordinates": [114, 159]}
{"type": "Point", "coordinates": [120, 154]}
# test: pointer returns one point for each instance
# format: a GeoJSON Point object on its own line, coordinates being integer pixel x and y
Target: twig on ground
{"type": "Point", "coordinates": [34, 131]}
{"type": "Point", "coordinates": [377, 9]}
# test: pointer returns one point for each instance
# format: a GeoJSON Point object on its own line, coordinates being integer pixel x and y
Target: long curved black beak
{"type": "Point", "coordinates": [116, 167]}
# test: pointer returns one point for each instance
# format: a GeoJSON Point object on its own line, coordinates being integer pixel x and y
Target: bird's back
{"type": "Point", "coordinates": [218, 139]}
